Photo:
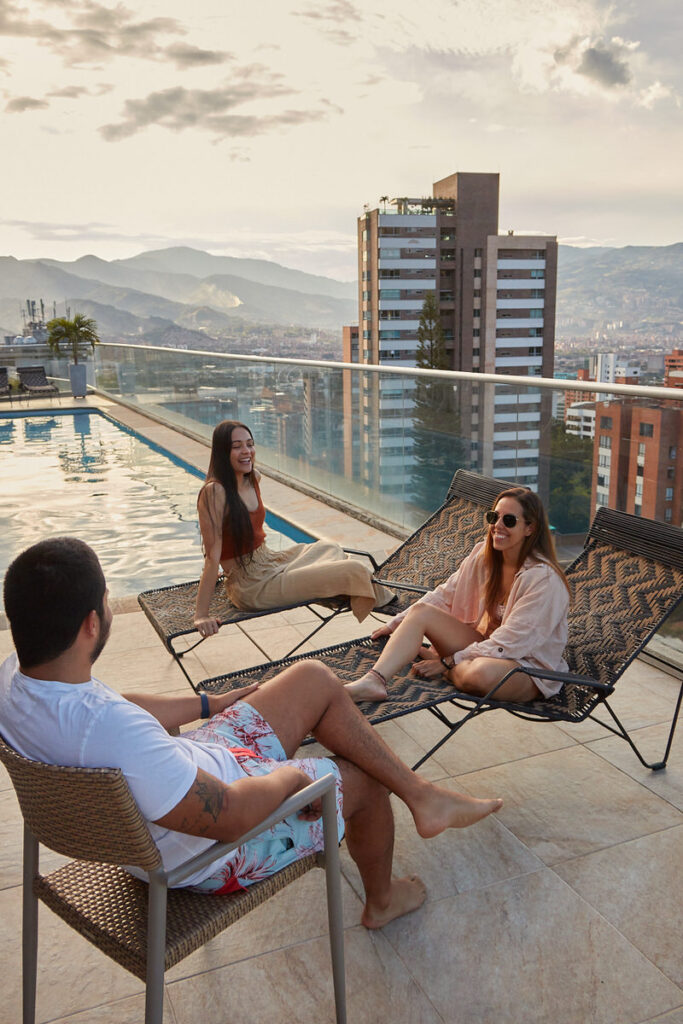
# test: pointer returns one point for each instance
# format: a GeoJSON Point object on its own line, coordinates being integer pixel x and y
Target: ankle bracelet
{"type": "Point", "coordinates": [378, 674]}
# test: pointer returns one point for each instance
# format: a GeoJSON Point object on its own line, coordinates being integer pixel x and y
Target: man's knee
{"type": "Point", "coordinates": [311, 671]}
{"type": "Point", "coordinates": [359, 789]}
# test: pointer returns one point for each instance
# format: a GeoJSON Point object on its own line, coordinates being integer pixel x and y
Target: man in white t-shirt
{"type": "Point", "coordinates": [221, 780]}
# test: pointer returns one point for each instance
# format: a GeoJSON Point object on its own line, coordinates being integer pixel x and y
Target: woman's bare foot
{"type": "Point", "coordinates": [371, 686]}
{"type": "Point", "coordinates": [406, 895]}
{"type": "Point", "coordinates": [439, 809]}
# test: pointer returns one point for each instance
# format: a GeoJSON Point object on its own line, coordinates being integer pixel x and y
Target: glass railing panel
{"type": "Point", "coordinates": [388, 443]}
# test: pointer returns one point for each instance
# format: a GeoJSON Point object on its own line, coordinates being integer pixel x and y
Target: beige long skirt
{"type": "Point", "coordinates": [274, 579]}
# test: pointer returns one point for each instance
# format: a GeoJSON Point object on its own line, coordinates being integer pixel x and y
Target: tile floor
{"type": "Point", "coordinates": [566, 908]}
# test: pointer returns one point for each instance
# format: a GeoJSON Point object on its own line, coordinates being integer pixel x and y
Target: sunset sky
{"type": "Point", "coordinates": [260, 129]}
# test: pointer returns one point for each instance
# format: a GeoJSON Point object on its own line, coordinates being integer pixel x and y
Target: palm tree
{"type": "Point", "coordinates": [76, 334]}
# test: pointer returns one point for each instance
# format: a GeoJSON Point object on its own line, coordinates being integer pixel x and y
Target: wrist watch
{"type": "Point", "coordinates": [448, 662]}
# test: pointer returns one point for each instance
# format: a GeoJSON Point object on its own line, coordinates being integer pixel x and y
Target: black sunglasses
{"type": "Point", "coordinates": [509, 520]}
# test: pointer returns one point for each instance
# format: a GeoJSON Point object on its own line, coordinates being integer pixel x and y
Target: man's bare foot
{"type": "Point", "coordinates": [371, 686]}
{"type": "Point", "coordinates": [439, 809]}
{"type": "Point", "coordinates": [406, 895]}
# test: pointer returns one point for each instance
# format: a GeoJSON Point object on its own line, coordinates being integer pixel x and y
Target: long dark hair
{"type": "Point", "coordinates": [220, 469]}
{"type": "Point", "coordinates": [539, 543]}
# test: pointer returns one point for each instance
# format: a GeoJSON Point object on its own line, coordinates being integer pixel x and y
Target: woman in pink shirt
{"type": "Point", "coordinates": [505, 607]}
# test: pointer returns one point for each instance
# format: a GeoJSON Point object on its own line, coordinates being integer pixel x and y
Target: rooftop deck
{"type": "Point", "coordinates": [566, 907]}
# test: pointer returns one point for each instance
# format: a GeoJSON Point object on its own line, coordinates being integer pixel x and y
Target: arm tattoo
{"type": "Point", "coordinates": [211, 798]}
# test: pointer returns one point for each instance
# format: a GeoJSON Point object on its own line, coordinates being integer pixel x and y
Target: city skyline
{"type": "Point", "coordinates": [263, 133]}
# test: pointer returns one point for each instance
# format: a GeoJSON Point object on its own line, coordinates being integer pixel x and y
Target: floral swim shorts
{"type": "Point", "coordinates": [251, 740]}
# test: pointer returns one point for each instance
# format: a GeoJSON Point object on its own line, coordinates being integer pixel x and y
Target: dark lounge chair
{"type": "Point", "coordinates": [430, 554]}
{"type": "Point", "coordinates": [33, 382]}
{"type": "Point", "coordinates": [5, 391]}
{"type": "Point", "coordinates": [89, 814]}
{"type": "Point", "coordinates": [627, 580]}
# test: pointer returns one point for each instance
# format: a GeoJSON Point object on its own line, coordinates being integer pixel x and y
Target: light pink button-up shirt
{"type": "Point", "coordinates": [533, 631]}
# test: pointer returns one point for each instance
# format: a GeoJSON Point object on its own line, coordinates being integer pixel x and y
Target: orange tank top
{"type": "Point", "coordinates": [258, 518]}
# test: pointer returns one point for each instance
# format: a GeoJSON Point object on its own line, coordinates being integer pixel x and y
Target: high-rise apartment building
{"type": "Point", "coordinates": [637, 463]}
{"type": "Point", "coordinates": [496, 299]}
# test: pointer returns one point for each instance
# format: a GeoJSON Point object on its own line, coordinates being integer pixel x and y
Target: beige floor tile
{"type": "Point", "coordinates": [528, 950]}
{"type": "Point", "coordinates": [570, 802]}
{"type": "Point", "coordinates": [456, 861]}
{"type": "Point", "coordinates": [295, 915]}
{"type": "Point", "coordinates": [295, 985]}
{"type": "Point", "coordinates": [224, 654]}
{"type": "Point", "coordinates": [493, 738]}
{"type": "Point", "coordinates": [149, 669]}
{"type": "Point", "coordinates": [675, 1017]}
{"type": "Point", "coordinates": [651, 742]}
{"type": "Point", "coordinates": [122, 1011]}
{"type": "Point", "coordinates": [637, 887]}
{"type": "Point", "coordinates": [72, 974]}
{"type": "Point", "coordinates": [643, 696]}
{"type": "Point", "coordinates": [131, 632]}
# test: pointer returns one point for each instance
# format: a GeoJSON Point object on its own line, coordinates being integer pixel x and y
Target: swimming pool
{"type": "Point", "coordinates": [81, 473]}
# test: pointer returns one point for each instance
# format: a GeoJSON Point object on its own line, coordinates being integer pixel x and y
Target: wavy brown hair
{"type": "Point", "coordinates": [538, 544]}
{"type": "Point", "coordinates": [220, 469]}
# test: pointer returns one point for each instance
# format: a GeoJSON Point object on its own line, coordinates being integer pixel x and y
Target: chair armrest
{"type": "Point", "coordinates": [364, 554]}
{"type": "Point", "coordinates": [566, 677]}
{"type": "Point", "coordinates": [324, 788]}
{"type": "Point", "coordinates": [393, 585]}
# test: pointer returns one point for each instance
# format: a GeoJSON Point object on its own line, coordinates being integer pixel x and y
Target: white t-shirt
{"type": "Point", "coordinates": [89, 725]}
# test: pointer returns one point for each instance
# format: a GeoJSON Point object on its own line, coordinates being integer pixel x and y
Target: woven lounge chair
{"type": "Point", "coordinates": [5, 391]}
{"type": "Point", "coordinates": [625, 583]}
{"type": "Point", "coordinates": [90, 814]}
{"type": "Point", "coordinates": [429, 555]}
{"type": "Point", "coordinates": [171, 612]}
{"type": "Point", "coordinates": [33, 382]}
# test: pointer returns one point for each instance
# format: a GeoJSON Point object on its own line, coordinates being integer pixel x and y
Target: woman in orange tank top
{"type": "Point", "coordinates": [231, 520]}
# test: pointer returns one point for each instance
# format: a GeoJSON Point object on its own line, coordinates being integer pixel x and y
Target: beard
{"type": "Point", "coordinates": [105, 627]}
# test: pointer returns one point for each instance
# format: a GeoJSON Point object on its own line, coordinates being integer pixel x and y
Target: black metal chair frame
{"type": "Point", "coordinates": [648, 554]}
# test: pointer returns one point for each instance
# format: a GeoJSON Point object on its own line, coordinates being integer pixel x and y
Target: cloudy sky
{"type": "Point", "coordinates": [261, 129]}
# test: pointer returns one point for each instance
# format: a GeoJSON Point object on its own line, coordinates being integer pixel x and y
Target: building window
{"type": "Point", "coordinates": [367, 314]}
{"type": "Point", "coordinates": [639, 489]}
{"type": "Point", "coordinates": [390, 254]}
{"type": "Point", "coordinates": [367, 276]}
{"type": "Point", "coordinates": [538, 273]}
{"type": "Point", "coordinates": [641, 448]}
{"type": "Point", "coordinates": [670, 473]}
{"type": "Point", "coordinates": [667, 515]}
{"type": "Point", "coordinates": [477, 252]}
{"type": "Point", "coordinates": [672, 452]}
{"type": "Point", "coordinates": [669, 494]}
{"type": "Point", "coordinates": [535, 314]}
{"type": "Point", "coordinates": [366, 335]}
{"type": "Point", "coordinates": [366, 296]}
{"type": "Point", "coordinates": [605, 441]}
{"type": "Point", "coordinates": [605, 422]}
{"type": "Point", "coordinates": [477, 293]}
{"type": "Point", "coordinates": [476, 332]}
{"type": "Point", "coordinates": [647, 429]}
{"type": "Point", "coordinates": [604, 460]}
{"type": "Point", "coordinates": [601, 499]}
{"type": "Point", "coordinates": [639, 471]}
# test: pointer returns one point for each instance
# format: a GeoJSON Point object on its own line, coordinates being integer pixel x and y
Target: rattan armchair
{"type": "Point", "coordinates": [90, 814]}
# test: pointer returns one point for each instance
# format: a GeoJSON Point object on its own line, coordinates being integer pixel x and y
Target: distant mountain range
{"type": "Point", "coordinates": [186, 298]}
{"type": "Point", "coordinates": [640, 286]}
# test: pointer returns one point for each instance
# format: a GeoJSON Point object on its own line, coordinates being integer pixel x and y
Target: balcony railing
{"type": "Point", "coordinates": [384, 442]}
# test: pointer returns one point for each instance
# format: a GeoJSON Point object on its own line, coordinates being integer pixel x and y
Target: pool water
{"type": "Point", "coordinates": [84, 475]}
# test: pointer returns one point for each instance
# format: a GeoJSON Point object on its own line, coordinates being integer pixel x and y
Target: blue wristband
{"type": "Point", "coordinates": [205, 706]}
